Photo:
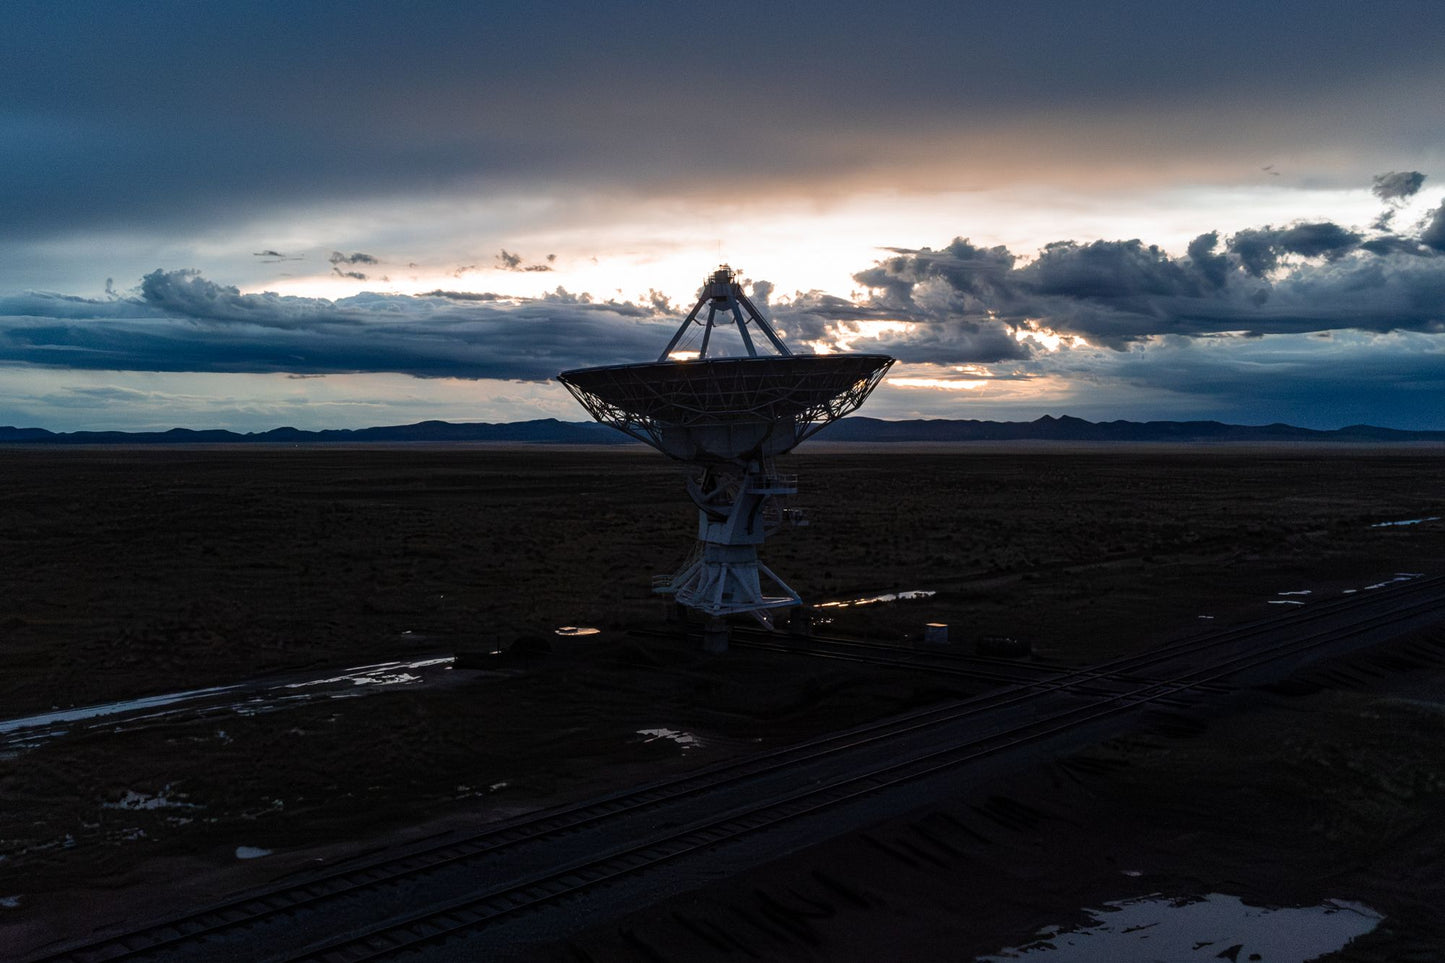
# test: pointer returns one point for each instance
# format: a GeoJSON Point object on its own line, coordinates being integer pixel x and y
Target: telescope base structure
{"type": "Point", "coordinates": [737, 509]}
{"type": "Point", "coordinates": [729, 580]}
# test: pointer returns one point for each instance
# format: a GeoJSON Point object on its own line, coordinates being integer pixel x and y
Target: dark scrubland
{"type": "Point", "coordinates": [131, 572]}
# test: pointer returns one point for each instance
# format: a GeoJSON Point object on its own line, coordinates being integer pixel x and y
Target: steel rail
{"type": "Point", "coordinates": [1021, 674]}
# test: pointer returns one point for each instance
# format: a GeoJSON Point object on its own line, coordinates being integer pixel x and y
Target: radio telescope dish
{"type": "Point", "coordinates": [729, 417]}
{"type": "Point", "coordinates": [727, 409]}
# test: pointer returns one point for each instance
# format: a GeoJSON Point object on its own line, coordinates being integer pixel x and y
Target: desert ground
{"type": "Point", "coordinates": [131, 572]}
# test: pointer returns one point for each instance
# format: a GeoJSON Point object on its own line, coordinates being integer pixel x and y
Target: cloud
{"type": "Point", "coordinates": [183, 321]}
{"type": "Point", "coordinates": [872, 95]}
{"type": "Point", "coordinates": [1433, 236]}
{"type": "Point", "coordinates": [185, 293]}
{"type": "Point", "coordinates": [1260, 250]}
{"type": "Point", "coordinates": [337, 259]}
{"type": "Point", "coordinates": [1312, 323]}
{"type": "Point", "coordinates": [1345, 378]}
{"type": "Point", "coordinates": [357, 258]}
{"type": "Point", "coordinates": [465, 295]}
{"type": "Point", "coordinates": [1394, 244]}
{"type": "Point", "coordinates": [1394, 188]}
{"type": "Point", "coordinates": [507, 261]}
{"type": "Point", "coordinates": [1306, 277]}
{"type": "Point", "coordinates": [1397, 185]}
{"type": "Point", "coordinates": [107, 395]}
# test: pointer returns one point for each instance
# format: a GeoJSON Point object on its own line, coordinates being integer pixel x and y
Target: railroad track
{"type": "Point", "coordinates": [1072, 699]}
{"type": "Point", "coordinates": [991, 671]}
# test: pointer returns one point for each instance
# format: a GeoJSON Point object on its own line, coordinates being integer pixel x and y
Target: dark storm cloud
{"type": "Point", "coordinates": [760, 293]}
{"type": "Point", "coordinates": [466, 295]}
{"type": "Point", "coordinates": [1260, 250]}
{"type": "Point", "coordinates": [1307, 277]}
{"type": "Point", "coordinates": [184, 322]}
{"type": "Point", "coordinates": [973, 272]}
{"type": "Point", "coordinates": [172, 112]}
{"type": "Point", "coordinates": [950, 343]}
{"type": "Point", "coordinates": [358, 258]}
{"type": "Point", "coordinates": [338, 259]}
{"type": "Point", "coordinates": [952, 336]}
{"type": "Point", "coordinates": [1394, 188]}
{"type": "Point", "coordinates": [1397, 185]}
{"type": "Point", "coordinates": [187, 294]}
{"type": "Point", "coordinates": [1433, 236]}
{"type": "Point", "coordinates": [1212, 267]}
{"type": "Point", "coordinates": [1394, 244]}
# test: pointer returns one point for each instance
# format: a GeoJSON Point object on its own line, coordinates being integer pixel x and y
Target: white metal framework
{"type": "Point", "coordinates": [728, 418]}
{"type": "Point", "coordinates": [722, 292]}
{"type": "Point", "coordinates": [736, 511]}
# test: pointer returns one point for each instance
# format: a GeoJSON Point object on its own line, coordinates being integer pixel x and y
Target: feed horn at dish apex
{"type": "Point", "coordinates": [728, 417]}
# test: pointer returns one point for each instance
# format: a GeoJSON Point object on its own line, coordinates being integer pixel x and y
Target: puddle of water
{"type": "Point", "coordinates": [684, 739]}
{"type": "Point", "coordinates": [577, 630]}
{"type": "Point", "coordinates": [250, 698]}
{"type": "Point", "coordinates": [10, 902]}
{"type": "Point", "coordinates": [876, 599]}
{"type": "Point", "coordinates": [1399, 577]}
{"type": "Point", "coordinates": [369, 678]}
{"type": "Point", "coordinates": [383, 673]}
{"type": "Point", "coordinates": [1198, 928]}
{"type": "Point", "coordinates": [111, 708]}
{"type": "Point", "coordinates": [1406, 521]}
{"type": "Point", "coordinates": [138, 800]}
{"type": "Point", "coordinates": [251, 852]}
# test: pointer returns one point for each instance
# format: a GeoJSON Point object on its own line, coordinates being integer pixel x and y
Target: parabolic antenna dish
{"type": "Point", "coordinates": [727, 409]}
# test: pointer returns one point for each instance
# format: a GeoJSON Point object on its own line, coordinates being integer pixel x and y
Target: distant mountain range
{"type": "Point", "coordinates": [545, 430]}
{"type": "Point", "coordinates": [1049, 428]}
{"type": "Point", "coordinates": [857, 429]}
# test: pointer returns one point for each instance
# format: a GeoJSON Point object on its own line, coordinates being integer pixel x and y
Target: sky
{"type": "Point", "coordinates": [254, 215]}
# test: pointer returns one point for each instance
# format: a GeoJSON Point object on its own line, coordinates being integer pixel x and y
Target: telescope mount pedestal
{"type": "Point", "coordinates": [738, 506]}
